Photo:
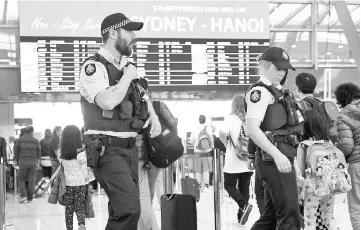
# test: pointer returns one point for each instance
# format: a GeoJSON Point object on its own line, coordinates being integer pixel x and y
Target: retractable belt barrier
{"type": "Point", "coordinates": [168, 179]}
{"type": "Point", "coordinates": [2, 194]}
{"type": "Point", "coordinates": [217, 181]}
{"type": "Point", "coordinates": [217, 177]}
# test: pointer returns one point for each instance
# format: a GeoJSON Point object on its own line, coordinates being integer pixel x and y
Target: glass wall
{"type": "Point", "coordinates": [291, 28]}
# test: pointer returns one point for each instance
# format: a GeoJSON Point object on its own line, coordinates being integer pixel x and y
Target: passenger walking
{"type": "Point", "coordinates": [203, 142]}
{"type": "Point", "coordinates": [348, 128]}
{"type": "Point", "coordinates": [147, 180]}
{"type": "Point", "coordinates": [237, 176]}
{"type": "Point", "coordinates": [54, 148]}
{"type": "Point", "coordinates": [73, 159]}
{"type": "Point", "coordinates": [27, 156]}
{"type": "Point", "coordinates": [45, 154]}
{"type": "Point", "coordinates": [275, 135]}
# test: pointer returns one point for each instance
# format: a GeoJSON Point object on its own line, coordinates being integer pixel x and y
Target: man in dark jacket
{"type": "Point", "coordinates": [27, 155]}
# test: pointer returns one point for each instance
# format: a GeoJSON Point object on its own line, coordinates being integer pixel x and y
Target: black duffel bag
{"type": "Point", "coordinates": [167, 147]}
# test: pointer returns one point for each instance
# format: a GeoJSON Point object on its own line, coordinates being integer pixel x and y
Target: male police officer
{"type": "Point", "coordinates": [115, 108]}
{"type": "Point", "coordinates": [275, 134]}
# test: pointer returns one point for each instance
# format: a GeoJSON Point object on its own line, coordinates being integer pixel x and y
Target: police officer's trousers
{"type": "Point", "coordinates": [281, 210]}
{"type": "Point", "coordinates": [118, 175]}
{"type": "Point", "coordinates": [259, 192]}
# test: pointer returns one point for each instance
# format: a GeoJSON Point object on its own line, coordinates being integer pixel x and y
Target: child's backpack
{"type": "Point", "coordinates": [326, 169]}
{"type": "Point", "coordinates": [241, 146]}
{"type": "Point", "coordinates": [204, 141]}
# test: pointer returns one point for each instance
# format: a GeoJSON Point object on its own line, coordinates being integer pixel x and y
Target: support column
{"type": "Point", "coordinates": [7, 120]}
{"type": "Point", "coordinates": [349, 29]}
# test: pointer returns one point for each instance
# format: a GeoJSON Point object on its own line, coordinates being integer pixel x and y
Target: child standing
{"type": "Point", "coordinates": [315, 208]}
{"type": "Point", "coordinates": [76, 176]}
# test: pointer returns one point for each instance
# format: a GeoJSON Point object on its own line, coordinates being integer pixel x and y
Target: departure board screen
{"type": "Point", "coordinates": [51, 60]}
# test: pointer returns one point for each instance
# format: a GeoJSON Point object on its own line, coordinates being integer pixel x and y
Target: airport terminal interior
{"type": "Point", "coordinates": [196, 56]}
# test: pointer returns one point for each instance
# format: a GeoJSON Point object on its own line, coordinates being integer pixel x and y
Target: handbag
{"type": "Point", "coordinates": [241, 148]}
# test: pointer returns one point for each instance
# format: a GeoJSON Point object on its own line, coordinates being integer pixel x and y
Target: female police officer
{"type": "Point", "coordinates": [268, 127]}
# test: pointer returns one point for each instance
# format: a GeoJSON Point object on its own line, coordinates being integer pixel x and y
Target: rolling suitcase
{"type": "Point", "coordinates": [178, 212]}
{"type": "Point", "coordinates": [42, 186]}
{"type": "Point", "coordinates": [44, 183]}
{"type": "Point", "coordinates": [190, 186]}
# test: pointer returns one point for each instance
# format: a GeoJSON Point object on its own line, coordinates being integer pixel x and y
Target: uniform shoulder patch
{"type": "Point", "coordinates": [255, 96]}
{"type": "Point", "coordinates": [90, 69]}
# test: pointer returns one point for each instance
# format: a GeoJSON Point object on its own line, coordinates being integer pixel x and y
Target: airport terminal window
{"type": "Point", "coordinates": [8, 49]}
{"type": "Point", "coordinates": [289, 15]}
{"type": "Point", "coordinates": [333, 50]}
{"type": "Point", "coordinates": [10, 8]}
{"type": "Point", "coordinates": [330, 19]}
{"type": "Point", "coordinates": [297, 44]}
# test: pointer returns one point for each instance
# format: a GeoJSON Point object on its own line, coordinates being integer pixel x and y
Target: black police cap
{"type": "Point", "coordinates": [119, 20]}
{"type": "Point", "coordinates": [278, 57]}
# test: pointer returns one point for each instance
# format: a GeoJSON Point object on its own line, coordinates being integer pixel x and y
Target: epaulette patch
{"type": "Point", "coordinates": [255, 96]}
{"type": "Point", "coordinates": [90, 69]}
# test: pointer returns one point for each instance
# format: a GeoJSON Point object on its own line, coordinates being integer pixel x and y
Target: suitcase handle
{"type": "Point", "coordinates": [170, 197]}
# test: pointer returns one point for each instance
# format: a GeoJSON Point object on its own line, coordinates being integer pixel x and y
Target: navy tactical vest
{"type": "Point", "coordinates": [125, 117]}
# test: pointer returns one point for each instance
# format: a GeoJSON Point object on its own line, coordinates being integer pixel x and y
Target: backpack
{"type": "Point", "coordinates": [167, 147]}
{"type": "Point", "coordinates": [329, 112]}
{"type": "Point", "coordinates": [241, 147]}
{"type": "Point", "coordinates": [326, 169]}
{"type": "Point", "coordinates": [204, 142]}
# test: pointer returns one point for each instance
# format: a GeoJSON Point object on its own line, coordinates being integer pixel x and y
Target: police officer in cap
{"type": "Point", "coordinates": [275, 135]}
{"type": "Point", "coordinates": [115, 109]}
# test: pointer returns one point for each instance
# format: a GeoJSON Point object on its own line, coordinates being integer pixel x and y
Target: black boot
{"type": "Point", "coordinates": [239, 215]}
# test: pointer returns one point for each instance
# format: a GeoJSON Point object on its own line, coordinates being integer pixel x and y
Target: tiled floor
{"type": "Point", "coordinates": [41, 215]}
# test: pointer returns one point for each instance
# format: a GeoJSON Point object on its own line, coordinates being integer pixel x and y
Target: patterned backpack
{"type": "Point", "coordinates": [326, 169]}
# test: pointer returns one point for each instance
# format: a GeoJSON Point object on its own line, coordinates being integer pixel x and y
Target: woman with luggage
{"type": "Point", "coordinates": [237, 176]}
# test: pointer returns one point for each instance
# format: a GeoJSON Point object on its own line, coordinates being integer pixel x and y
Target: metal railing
{"type": "Point", "coordinates": [2, 194]}
{"type": "Point", "coordinates": [217, 182]}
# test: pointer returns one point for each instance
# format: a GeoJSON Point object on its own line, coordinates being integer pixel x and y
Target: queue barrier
{"type": "Point", "coordinates": [2, 194]}
{"type": "Point", "coordinates": [217, 177]}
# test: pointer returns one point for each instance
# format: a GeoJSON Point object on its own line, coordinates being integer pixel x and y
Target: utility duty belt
{"type": "Point", "coordinates": [96, 144]}
{"type": "Point", "coordinates": [287, 145]}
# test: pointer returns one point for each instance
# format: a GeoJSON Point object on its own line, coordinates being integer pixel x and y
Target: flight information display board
{"type": "Point", "coordinates": [52, 63]}
{"type": "Point", "coordinates": [56, 62]}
